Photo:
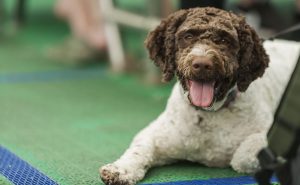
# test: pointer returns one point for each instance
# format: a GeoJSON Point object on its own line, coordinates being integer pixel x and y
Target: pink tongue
{"type": "Point", "coordinates": [201, 94]}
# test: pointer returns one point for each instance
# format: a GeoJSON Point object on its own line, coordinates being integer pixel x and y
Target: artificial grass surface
{"type": "Point", "coordinates": [69, 128]}
{"type": "Point", "coordinates": [4, 181]}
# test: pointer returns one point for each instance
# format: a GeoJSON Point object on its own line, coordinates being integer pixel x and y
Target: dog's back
{"type": "Point", "coordinates": [283, 57]}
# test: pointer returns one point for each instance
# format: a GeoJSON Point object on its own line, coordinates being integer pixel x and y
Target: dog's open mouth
{"type": "Point", "coordinates": [201, 94]}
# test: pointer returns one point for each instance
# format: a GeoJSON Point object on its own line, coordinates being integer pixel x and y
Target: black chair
{"type": "Point", "coordinates": [282, 155]}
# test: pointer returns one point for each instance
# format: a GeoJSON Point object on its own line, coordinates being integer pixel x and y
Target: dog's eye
{"type": "Point", "coordinates": [224, 41]}
{"type": "Point", "coordinates": [188, 36]}
{"type": "Point", "coordinates": [221, 40]}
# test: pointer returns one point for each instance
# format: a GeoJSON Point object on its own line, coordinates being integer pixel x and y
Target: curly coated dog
{"type": "Point", "coordinates": [210, 118]}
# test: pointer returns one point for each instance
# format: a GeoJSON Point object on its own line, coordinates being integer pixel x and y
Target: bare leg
{"type": "Point", "coordinates": [84, 19]}
{"type": "Point", "coordinates": [96, 36]}
{"type": "Point", "coordinates": [298, 6]}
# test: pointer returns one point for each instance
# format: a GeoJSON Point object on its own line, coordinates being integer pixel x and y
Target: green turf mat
{"type": "Point", "coordinates": [4, 181]}
{"type": "Point", "coordinates": [186, 171]}
{"type": "Point", "coordinates": [68, 129]}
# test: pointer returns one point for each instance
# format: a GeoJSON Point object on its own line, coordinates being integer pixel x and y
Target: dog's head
{"type": "Point", "coordinates": [210, 50]}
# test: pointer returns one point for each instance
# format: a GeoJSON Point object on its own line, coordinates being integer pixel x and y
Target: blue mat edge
{"type": "Point", "coordinates": [19, 172]}
{"type": "Point", "coordinates": [243, 180]}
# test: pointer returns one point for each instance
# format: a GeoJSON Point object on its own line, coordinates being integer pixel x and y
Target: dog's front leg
{"type": "Point", "coordinates": [244, 159]}
{"type": "Point", "coordinates": [138, 158]}
{"type": "Point", "coordinates": [129, 169]}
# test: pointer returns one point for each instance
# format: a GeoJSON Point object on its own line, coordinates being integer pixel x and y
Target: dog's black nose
{"type": "Point", "coordinates": [202, 64]}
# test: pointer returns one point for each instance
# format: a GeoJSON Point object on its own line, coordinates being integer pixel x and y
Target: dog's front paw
{"type": "Point", "coordinates": [245, 165]}
{"type": "Point", "coordinates": [244, 159]}
{"type": "Point", "coordinates": [112, 175]}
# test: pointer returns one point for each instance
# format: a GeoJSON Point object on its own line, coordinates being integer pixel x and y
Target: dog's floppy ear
{"type": "Point", "coordinates": [161, 44]}
{"type": "Point", "coordinates": [253, 59]}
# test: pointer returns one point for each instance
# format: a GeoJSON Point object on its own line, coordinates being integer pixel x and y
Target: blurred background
{"type": "Point", "coordinates": [79, 34]}
{"type": "Point", "coordinates": [76, 83]}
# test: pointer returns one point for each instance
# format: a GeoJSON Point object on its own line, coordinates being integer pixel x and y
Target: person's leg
{"type": "Point", "coordinates": [87, 40]}
{"type": "Point", "coordinates": [74, 12]}
{"type": "Point", "coordinates": [298, 9]}
{"type": "Point", "coordinates": [298, 5]}
{"type": "Point", "coordinates": [95, 36]}
{"type": "Point", "coordinates": [159, 8]}
{"type": "Point", "coordinates": [62, 8]}
{"type": "Point", "coordinates": [85, 21]}
{"type": "Point", "coordinates": [78, 18]}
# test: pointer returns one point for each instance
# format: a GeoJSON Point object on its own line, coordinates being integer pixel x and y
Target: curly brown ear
{"type": "Point", "coordinates": [253, 59]}
{"type": "Point", "coordinates": [161, 44]}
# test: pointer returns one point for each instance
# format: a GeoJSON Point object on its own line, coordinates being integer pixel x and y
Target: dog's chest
{"type": "Point", "coordinates": [218, 133]}
{"type": "Point", "coordinates": [213, 129]}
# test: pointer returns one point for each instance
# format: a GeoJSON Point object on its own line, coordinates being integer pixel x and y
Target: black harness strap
{"type": "Point", "coordinates": [291, 29]}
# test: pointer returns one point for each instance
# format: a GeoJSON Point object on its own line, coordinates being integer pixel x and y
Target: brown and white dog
{"type": "Point", "coordinates": [214, 54]}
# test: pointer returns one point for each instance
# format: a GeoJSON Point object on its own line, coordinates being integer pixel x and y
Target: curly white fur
{"type": "Point", "coordinates": [230, 136]}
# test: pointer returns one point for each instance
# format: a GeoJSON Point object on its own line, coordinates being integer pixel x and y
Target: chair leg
{"type": "Point", "coordinates": [155, 8]}
{"type": "Point", "coordinates": [114, 42]}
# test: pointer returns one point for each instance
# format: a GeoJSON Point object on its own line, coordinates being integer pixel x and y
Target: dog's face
{"type": "Point", "coordinates": [207, 58]}
{"type": "Point", "coordinates": [210, 50]}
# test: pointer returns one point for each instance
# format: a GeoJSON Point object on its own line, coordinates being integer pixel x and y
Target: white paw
{"type": "Point", "coordinates": [114, 175]}
{"type": "Point", "coordinates": [244, 159]}
{"type": "Point", "coordinates": [245, 166]}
